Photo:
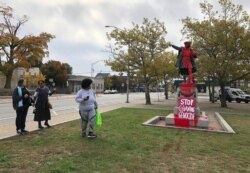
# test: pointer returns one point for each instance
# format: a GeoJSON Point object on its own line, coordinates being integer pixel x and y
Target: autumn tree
{"type": "Point", "coordinates": [32, 80]}
{"type": "Point", "coordinates": [163, 69]}
{"type": "Point", "coordinates": [68, 67]}
{"type": "Point", "coordinates": [18, 51]}
{"type": "Point", "coordinates": [121, 62]}
{"type": "Point", "coordinates": [136, 48]}
{"type": "Point", "coordinates": [55, 70]}
{"type": "Point", "coordinates": [223, 38]}
{"type": "Point", "coordinates": [206, 74]}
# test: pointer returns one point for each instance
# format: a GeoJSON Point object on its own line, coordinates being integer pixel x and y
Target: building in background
{"type": "Point", "coordinates": [74, 83]}
{"type": "Point", "coordinates": [19, 73]}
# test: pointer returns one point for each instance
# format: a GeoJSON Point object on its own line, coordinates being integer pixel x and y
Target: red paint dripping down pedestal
{"type": "Point", "coordinates": [187, 113]}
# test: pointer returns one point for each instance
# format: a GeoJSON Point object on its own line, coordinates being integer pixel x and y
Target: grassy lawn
{"type": "Point", "coordinates": [124, 145]}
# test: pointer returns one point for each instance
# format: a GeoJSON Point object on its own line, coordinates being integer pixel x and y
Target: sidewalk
{"type": "Point", "coordinates": [234, 108]}
{"type": "Point", "coordinates": [7, 99]}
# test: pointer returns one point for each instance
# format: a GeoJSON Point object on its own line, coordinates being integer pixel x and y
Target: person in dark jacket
{"type": "Point", "coordinates": [21, 101]}
{"type": "Point", "coordinates": [42, 105]}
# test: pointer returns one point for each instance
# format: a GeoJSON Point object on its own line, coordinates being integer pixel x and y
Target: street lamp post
{"type": "Point", "coordinates": [127, 82]}
{"type": "Point", "coordinates": [127, 101]}
{"type": "Point", "coordinates": [92, 67]}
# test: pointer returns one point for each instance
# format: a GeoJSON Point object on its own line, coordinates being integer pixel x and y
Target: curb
{"type": "Point", "coordinates": [223, 123]}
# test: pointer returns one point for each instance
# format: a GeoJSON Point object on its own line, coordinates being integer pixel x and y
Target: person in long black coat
{"type": "Point", "coordinates": [21, 100]}
{"type": "Point", "coordinates": [42, 105]}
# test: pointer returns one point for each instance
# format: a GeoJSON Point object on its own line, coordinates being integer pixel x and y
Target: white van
{"type": "Point", "coordinates": [236, 94]}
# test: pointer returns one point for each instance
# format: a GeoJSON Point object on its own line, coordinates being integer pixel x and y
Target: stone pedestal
{"type": "Point", "coordinates": [201, 122]}
{"type": "Point", "coordinates": [187, 113]}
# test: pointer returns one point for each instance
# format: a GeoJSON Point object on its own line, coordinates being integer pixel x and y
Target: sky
{"type": "Point", "coordinates": [79, 25]}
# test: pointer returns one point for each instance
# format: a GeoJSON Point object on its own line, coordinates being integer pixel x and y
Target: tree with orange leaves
{"type": "Point", "coordinates": [55, 70]}
{"type": "Point", "coordinates": [27, 51]}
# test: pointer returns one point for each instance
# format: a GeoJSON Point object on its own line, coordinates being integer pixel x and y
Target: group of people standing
{"type": "Point", "coordinates": [22, 99]}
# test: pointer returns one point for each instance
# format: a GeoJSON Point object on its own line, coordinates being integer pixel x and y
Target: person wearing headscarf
{"type": "Point", "coordinates": [42, 104]}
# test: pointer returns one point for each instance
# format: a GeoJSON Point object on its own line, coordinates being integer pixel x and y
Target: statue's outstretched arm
{"type": "Point", "coordinates": [176, 47]}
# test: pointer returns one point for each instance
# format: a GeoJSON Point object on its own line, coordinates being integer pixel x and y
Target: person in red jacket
{"type": "Point", "coordinates": [185, 60]}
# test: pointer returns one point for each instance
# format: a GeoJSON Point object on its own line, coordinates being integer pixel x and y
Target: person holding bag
{"type": "Point", "coordinates": [42, 105]}
{"type": "Point", "coordinates": [87, 107]}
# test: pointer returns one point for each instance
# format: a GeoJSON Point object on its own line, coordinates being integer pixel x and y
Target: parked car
{"type": "Point", "coordinates": [216, 96]}
{"type": "Point", "coordinates": [107, 92]}
{"type": "Point", "coordinates": [113, 91]}
{"type": "Point", "coordinates": [236, 94]}
{"type": "Point", "coordinates": [110, 92]}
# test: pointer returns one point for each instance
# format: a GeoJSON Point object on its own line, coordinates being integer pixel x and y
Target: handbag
{"type": "Point", "coordinates": [98, 118]}
{"type": "Point", "coordinates": [50, 105]}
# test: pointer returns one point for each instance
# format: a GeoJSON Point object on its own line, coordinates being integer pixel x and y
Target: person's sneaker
{"type": "Point", "coordinates": [24, 131]}
{"type": "Point", "coordinates": [84, 135]}
{"type": "Point", "coordinates": [19, 131]}
{"type": "Point", "coordinates": [91, 135]}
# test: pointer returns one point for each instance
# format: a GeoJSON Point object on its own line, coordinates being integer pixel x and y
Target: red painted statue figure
{"type": "Point", "coordinates": [185, 61]}
{"type": "Point", "coordinates": [187, 113]}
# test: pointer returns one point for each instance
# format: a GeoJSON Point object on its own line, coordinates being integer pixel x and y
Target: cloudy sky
{"type": "Point", "coordinates": [79, 25]}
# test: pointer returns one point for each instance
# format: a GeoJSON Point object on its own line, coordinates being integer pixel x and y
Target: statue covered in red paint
{"type": "Point", "coordinates": [187, 113]}
{"type": "Point", "coordinates": [185, 60]}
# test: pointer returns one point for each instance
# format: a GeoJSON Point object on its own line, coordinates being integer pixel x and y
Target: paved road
{"type": "Point", "coordinates": [66, 104]}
